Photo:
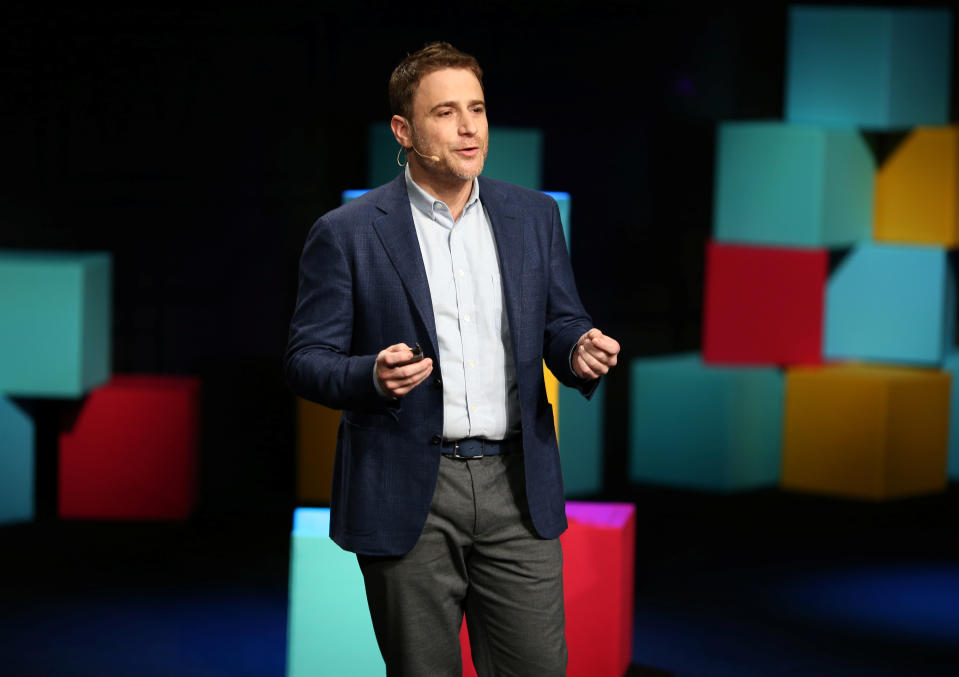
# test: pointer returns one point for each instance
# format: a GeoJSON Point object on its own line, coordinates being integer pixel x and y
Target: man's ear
{"type": "Point", "coordinates": [401, 131]}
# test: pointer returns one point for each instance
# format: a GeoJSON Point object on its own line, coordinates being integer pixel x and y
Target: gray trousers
{"type": "Point", "coordinates": [478, 553]}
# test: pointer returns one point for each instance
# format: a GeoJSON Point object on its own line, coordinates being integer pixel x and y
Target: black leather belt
{"type": "Point", "coordinates": [477, 447]}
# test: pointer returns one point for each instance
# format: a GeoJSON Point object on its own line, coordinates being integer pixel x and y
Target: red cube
{"type": "Point", "coordinates": [764, 305]}
{"type": "Point", "coordinates": [132, 453]}
{"type": "Point", "coordinates": [598, 558]}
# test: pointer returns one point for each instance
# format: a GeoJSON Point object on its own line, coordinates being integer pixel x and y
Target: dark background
{"type": "Point", "coordinates": [198, 146]}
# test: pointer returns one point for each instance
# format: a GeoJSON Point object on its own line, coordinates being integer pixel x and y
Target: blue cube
{"type": "Point", "coordinates": [515, 155]}
{"type": "Point", "coordinates": [16, 463]}
{"type": "Point", "coordinates": [891, 303]}
{"type": "Point", "coordinates": [880, 69]}
{"type": "Point", "coordinates": [798, 185]}
{"type": "Point", "coordinates": [330, 631]}
{"type": "Point", "coordinates": [701, 427]}
{"type": "Point", "coordinates": [55, 322]}
{"type": "Point", "coordinates": [565, 204]}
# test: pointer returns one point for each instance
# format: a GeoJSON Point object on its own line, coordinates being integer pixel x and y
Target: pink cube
{"type": "Point", "coordinates": [132, 452]}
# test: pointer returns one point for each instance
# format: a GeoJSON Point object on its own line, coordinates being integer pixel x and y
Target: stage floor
{"type": "Point", "coordinates": [755, 584]}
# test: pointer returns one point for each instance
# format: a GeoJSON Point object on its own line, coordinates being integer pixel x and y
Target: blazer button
{"type": "Point", "coordinates": [438, 383]}
{"type": "Point", "coordinates": [436, 439]}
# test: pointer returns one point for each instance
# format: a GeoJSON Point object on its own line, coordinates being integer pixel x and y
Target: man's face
{"type": "Point", "coordinates": [449, 121]}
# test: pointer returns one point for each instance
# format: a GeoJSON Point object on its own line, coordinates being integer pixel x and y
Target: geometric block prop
{"type": "Point", "coordinates": [330, 631]}
{"type": "Point", "coordinates": [866, 431]}
{"type": "Point", "coordinates": [598, 557]}
{"type": "Point", "coordinates": [763, 305]}
{"type": "Point", "coordinates": [552, 395]}
{"type": "Point", "coordinates": [315, 450]}
{"type": "Point", "coordinates": [581, 434]}
{"type": "Point", "coordinates": [598, 575]}
{"type": "Point", "coordinates": [563, 201]}
{"type": "Point", "coordinates": [701, 427]}
{"type": "Point", "coordinates": [868, 67]}
{"type": "Point", "coordinates": [952, 366]}
{"type": "Point", "coordinates": [17, 440]}
{"type": "Point", "coordinates": [516, 155]}
{"type": "Point", "coordinates": [890, 303]}
{"type": "Point", "coordinates": [917, 189]}
{"type": "Point", "coordinates": [132, 452]}
{"type": "Point", "coordinates": [55, 314]}
{"type": "Point", "coordinates": [804, 186]}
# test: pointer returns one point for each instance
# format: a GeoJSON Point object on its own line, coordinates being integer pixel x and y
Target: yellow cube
{"type": "Point", "coordinates": [916, 189]}
{"type": "Point", "coordinates": [315, 451]}
{"type": "Point", "coordinates": [871, 432]}
{"type": "Point", "coordinates": [552, 394]}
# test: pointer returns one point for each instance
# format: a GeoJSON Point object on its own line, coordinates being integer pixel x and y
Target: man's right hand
{"type": "Point", "coordinates": [397, 374]}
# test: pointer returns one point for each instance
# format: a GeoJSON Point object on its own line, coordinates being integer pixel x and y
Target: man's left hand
{"type": "Point", "coordinates": [594, 355]}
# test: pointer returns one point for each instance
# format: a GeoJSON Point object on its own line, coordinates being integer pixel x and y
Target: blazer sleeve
{"type": "Point", "coordinates": [318, 363]}
{"type": "Point", "coordinates": [566, 319]}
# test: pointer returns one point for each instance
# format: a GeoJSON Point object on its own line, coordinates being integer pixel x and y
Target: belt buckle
{"type": "Point", "coordinates": [456, 454]}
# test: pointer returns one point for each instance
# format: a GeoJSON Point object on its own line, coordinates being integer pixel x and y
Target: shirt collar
{"type": "Point", "coordinates": [426, 203]}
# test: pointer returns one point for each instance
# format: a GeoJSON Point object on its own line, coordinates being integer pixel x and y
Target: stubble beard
{"type": "Point", "coordinates": [447, 168]}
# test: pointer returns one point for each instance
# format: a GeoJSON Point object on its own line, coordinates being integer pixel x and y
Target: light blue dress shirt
{"type": "Point", "coordinates": [479, 380]}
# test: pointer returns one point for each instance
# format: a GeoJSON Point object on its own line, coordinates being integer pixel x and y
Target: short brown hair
{"type": "Point", "coordinates": [433, 57]}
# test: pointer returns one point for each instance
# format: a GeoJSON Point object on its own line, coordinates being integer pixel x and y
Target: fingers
{"type": "Point", "coordinates": [395, 355]}
{"type": "Point", "coordinates": [401, 380]}
{"type": "Point", "coordinates": [591, 362]}
{"type": "Point", "coordinates": [397, 375]}
{"type": "Point", "coordinates": [595, 354]}
{"type": "Point", "coordinates": [606, 344]}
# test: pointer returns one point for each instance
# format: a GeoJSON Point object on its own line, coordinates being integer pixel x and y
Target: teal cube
{"type": "Point", "coordinates": [780, 184]}
{"type": "Point", "coordinates": [701, 427]}
{"type": "Point", "coordinates": [515, 155]}
{"type": "Point", "coordinates": [952, 366]}
{"type": "Point", "coordinates": [330, 631]}
{"type": "Point", "coordinates": [581, 443]}
{"type": "Point", "coordinates": [16, 464]}
{"type": "Point", "coordinates": [880, 69]}
{"type": "Point", "coordinates": [891, 303]}
{"type": "Point", "coordinates": [55, 322]}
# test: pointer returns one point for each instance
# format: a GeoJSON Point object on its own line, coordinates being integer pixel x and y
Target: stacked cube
{"type": "Point", "coordinates": [790, 197]}
{"type": "Point", "coordinates": [133, 449]}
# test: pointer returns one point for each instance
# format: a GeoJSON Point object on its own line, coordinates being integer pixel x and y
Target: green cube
{"type": "Point", "coordinates": [330, 631]}
{"type": "Point", "coordinates": [55, 322]}
{"type": "Point", "coordinates": [793, 185]}
{"type": "Point", "coordinates": [16, 464]}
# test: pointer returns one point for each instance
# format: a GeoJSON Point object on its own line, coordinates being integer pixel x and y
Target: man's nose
{"type": "Point", "coordinates": [467, 126]}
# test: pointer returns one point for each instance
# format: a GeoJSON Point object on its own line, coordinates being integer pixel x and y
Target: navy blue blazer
{"type": "Point", "coordinates": [363, 287]}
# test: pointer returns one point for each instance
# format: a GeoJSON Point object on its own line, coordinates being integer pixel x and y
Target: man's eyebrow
{"type": "Point", "coordinates": [452, 104]}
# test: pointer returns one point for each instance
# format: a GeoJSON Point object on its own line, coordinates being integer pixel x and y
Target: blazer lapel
{"type": "Point", "coordinates": [398, 236]}
{"type": "Point", "coordinates": [510, 244]}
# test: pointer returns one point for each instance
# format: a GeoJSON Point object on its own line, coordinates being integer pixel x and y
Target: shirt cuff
{"type": "Point", "coordinates": [379, 388]}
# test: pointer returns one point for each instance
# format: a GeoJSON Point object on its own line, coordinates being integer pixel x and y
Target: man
{"type": "Point", "coordinates": [447, 480]}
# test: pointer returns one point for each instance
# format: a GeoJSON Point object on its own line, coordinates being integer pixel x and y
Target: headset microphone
{"type": "Point", "coordinates": [434, 158]}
